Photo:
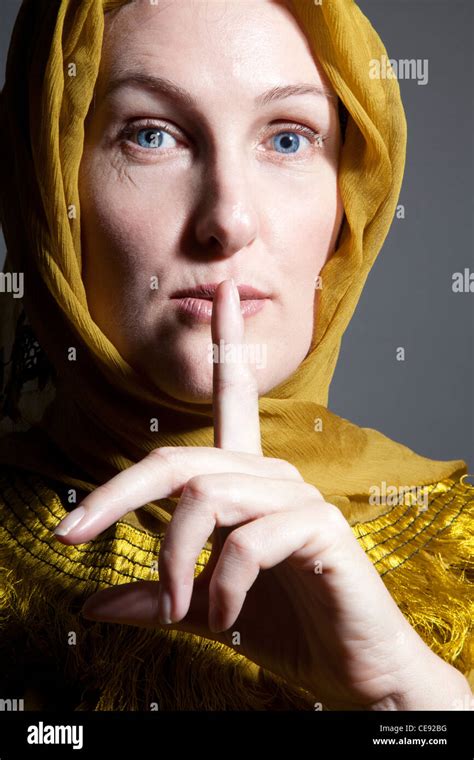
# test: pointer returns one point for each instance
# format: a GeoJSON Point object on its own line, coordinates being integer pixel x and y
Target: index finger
{"type": "Point", "coordinates": [235, 388]}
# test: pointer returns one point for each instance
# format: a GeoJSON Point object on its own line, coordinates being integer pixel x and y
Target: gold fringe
{"type": "Point", "coordinates": [425, 559]}
{"type": "Point", "coordinates": [118, 667]}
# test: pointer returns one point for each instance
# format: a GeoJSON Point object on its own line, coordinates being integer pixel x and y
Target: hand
{"type": "Point", "coordinates": [285, 570]}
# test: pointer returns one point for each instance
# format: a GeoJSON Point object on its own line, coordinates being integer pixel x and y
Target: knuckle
{"type": "Point", "coordinates": [240, 545]}
{"type": "Point", "coordinates": [289, 469]}
{"type": "Point", "coordinates": [169, 457]}
{"type": "Point", "coordinates": [312, 492]}
{"type": "Point", "coordinates": [199, 488]}
{"type": "Point", "coordinates": [167, 460]}
{"type": "Point", "coordinates": [163, 453]}
{"type": "Point", "coordinates": [334, 518]}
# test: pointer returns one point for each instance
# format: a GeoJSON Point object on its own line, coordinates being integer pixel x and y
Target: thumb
{"type": "Point", "coordinates": [137, 603]}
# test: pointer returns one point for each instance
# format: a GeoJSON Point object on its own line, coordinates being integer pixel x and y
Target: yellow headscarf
{"type": "Point", "coordinates": [99, 421]}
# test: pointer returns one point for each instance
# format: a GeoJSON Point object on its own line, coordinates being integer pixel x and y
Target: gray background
{"type": "Point", "coordinates": [425, 402]}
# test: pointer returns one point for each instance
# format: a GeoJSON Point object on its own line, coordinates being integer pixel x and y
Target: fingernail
{"type": "Point", "coordinates": [164, 607]}
{"type": "Point", "coordinates": [71, 521]}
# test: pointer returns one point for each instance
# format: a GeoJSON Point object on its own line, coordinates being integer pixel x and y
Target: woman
{"type": "Point", "coordinates": [236, 532]}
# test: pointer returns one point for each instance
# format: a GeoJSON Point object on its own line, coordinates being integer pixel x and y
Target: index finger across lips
{"type": "Point", "coordinates": [235, 388]}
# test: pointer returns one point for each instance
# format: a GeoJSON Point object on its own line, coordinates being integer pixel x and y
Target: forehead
{"type": "Point", "coordinates": [207, 43]}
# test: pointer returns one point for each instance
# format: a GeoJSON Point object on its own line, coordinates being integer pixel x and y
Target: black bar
{"type": "Point", "coordinates": [136, 735]}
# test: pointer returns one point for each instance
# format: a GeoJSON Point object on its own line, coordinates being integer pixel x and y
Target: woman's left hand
{"type": "Point", "coordinates": [286, 571]}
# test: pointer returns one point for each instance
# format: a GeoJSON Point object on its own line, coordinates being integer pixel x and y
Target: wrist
{"type": "Point", "coordinates": [433, 685]}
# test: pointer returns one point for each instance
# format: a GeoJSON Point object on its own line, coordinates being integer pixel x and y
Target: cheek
{"type": "Point", "coordinates": [123, 227]}
{"type": "Point", "coordinates": [132, 225]}
{"type": "Point", "coordinates": [303, 225]}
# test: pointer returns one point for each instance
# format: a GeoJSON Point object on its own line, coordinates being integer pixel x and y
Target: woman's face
{"type": "Point", "coordinates": [206, 179]}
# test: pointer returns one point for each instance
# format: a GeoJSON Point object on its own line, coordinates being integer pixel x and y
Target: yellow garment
{"type": "Point", "coordinates": [98, 423]}
{"type": "Point", "coordinates": [424, 556]}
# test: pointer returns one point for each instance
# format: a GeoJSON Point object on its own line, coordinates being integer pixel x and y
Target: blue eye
{"type": "Point", "coordinates": [285, 142]}
{"type": "Point", "coordinates": [289, 141]}
{"type": "Point", "coordinates": [152, 137]}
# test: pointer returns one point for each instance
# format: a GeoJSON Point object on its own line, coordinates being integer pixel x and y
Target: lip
{"type": "Point", "coordinates": [195, 304]}
{"type": "Point", "coordinates": [200, 309]}
{"type": "Point", "coordinates": [207, 291]}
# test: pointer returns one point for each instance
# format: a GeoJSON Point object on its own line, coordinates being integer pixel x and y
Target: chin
{"type": "Point", "coordinates": [194, 385]}
{"type": "Point", "coordinates": [184, 369]}
{"type": "Point", "coordinates": [185, 381]}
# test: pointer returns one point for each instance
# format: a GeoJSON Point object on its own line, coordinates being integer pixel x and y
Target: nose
{"type": "Point", "coordinates": [227, 219]}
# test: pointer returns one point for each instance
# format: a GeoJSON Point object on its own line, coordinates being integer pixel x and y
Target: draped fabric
{"type": "Point", "coordinates": [425, 559]}
{"type": "Point", "coordinates": [91, 418]}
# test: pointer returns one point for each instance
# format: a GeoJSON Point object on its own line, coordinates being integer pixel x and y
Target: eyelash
{"type": "Point", "coordinates": [316, 138]}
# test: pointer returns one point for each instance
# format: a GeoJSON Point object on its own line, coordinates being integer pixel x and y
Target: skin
{"type": "Point", "coordinates": [225, 208]}
{"type": "Point", "coordinates": [219, 198]}
{"type": "Point", "coordinates": [332, 632]}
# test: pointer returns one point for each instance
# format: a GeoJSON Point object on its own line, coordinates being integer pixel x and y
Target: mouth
{"type": "Point", "coordinates": [195, 304]}
{"type": "Point", "coordinates": [207, 292]}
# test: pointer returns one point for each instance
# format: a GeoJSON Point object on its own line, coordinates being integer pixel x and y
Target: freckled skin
{"type": "Point", "coordinates": [219, 198]}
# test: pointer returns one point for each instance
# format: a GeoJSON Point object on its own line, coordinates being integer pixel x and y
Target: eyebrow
{"type": "Point", "coordinates": [172, 89]}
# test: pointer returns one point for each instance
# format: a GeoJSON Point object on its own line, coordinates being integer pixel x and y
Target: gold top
{"type": "Point", "coordinates": [423, 549]}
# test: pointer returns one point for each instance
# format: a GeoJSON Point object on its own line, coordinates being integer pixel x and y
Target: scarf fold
{"type": "Point", "coordinates": [94, 420]}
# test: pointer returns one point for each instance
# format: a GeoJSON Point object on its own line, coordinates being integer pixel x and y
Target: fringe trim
{"type": "Point", "coordinates": [431, 577]}
{"type": "Point", "coordinates": [119, 667]}
{"type": "Point", "coordinates": [426, 561]}
{"type": "Point", "coordinates": [110, 667]}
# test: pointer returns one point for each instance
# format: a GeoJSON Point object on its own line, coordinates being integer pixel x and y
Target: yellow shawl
{"type": "Point", "coordinates": [94, 426]}
{"type": "Point", "coordinates": [97, 423]}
